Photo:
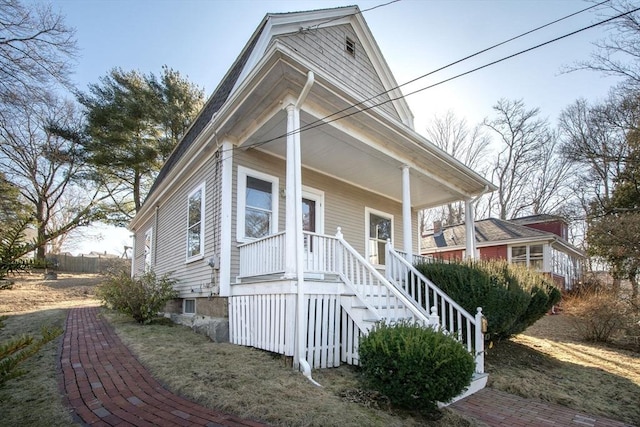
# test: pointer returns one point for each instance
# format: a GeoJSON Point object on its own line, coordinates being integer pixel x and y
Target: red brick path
{"type": "Point", "coordinates": [107, 386]}
{"type": "Point", "coordinates": [499, 409]}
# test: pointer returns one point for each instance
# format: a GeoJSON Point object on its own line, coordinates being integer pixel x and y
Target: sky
{"type": "Point", "coordinates": [202, 38]}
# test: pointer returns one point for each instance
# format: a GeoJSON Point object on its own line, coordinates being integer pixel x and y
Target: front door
{"type": "Point", "coordinates": [312, 210]}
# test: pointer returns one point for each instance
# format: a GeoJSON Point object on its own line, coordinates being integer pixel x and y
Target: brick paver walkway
{"type": "Point", "coordinates": [107, 386]}
{"type": "Point", "coordinates": [499, 409]}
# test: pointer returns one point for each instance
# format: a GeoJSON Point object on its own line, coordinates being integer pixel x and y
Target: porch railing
{"type": "Point", "coordinates": [334, 255]}
{"type": "Point", "coordinates": [415, 258]}
{"type": "Point", "coordinates": [466, 327]}
{"type": "Point", "coordinates": [374, 289]}
{"type": "Point", "coordinates": [263, 256]}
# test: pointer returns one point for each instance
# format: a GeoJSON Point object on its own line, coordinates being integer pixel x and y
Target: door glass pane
{"type": "Point", "coordinates": [309, 215]}
{"type": "Point", "coordinates": [379, 232]}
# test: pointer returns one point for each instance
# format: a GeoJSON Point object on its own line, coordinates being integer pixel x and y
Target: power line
{"type": "Point", "coordinates": [323, 120]}
{"type": "Point", "coordinates": [353, 14]}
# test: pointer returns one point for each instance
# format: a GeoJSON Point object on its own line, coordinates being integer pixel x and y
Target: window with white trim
{"type": "Point", "coordinates": [148, 238]}
{"type": "Point", "coordinates": [531, 256]}
{"type": "Point", "coordinates": [257, 204]}
{"type": "Point", "coordinates": [379, 229]}
{"type": "Point", "coordinates": [189, 306]}
{"type": "Point", "coordinates": [195, 224]}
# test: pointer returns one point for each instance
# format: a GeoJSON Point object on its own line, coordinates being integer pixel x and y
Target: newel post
{"type": "Point", "coordinates": [390, 264]}
{"type": "Point", "coordinates": [339, 251]}
{"type": "Point", "coordinates": [481, 328]}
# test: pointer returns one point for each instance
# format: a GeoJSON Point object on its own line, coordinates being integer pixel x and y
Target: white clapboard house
{"type": "Point", "coordinates": [289, 211]}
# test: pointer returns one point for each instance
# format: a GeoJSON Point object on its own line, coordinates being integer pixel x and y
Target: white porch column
{"type": "Point", "coordinates": [290, 196]}
{"type": "Point", "coordinates": [470, 229]}
{"type": "Point", "coordinates": [407, 236]}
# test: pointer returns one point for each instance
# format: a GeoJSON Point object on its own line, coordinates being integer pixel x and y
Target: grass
{"type": "Point", "coordinates": [255, 384]}
{"type": "Point", "coordinates": [545, 362]}
{"type": "Point", "coordinates": [548, 363]}
{"type": "Point", "coordinates": [34, 399]}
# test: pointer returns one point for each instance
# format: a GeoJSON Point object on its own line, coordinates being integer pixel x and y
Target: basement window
{"type": "Point", "coordinates": [350, 47]}
{"type": "Point", "coordinates": [189, 306]}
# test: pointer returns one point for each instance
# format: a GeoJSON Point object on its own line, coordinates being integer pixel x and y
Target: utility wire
{"type": "Point", "coordinates": [352, 14]}
{"type": "Point", "coordinates": [323, 120]}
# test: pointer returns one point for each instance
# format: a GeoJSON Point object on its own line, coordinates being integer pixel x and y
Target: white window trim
{"type": "Point", "coordinates": [243, 173]}
{"type": "Point", "coordinates": [184, 305]}
{"type": "Point", "coordinates": [147, 266]}
{"type": "Point", "coordinates": [545, 255]}
{"type": "Point", "coordinates": [199, 256]}
{"type": "Point", "coordinates": [367, 213]}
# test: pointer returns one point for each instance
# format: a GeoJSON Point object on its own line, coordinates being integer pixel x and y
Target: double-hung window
{"type": "Point", "coordinates": [195, 224]}
{"type": "Point", "coordinates": [148, 260]}
{"type": "Point", "coordinates": [531, 256]}
{"type": "Point", "coordinates": [257, 204]}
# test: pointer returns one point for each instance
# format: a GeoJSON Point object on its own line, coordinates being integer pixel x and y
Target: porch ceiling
{"type": "Point", "coordinates": [364, 149]}
{"type": "Point", "coordinates": [330, 151]}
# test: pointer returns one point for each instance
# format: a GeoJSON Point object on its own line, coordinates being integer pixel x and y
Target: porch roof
{"type": "Point", "coordinates": [361, 145]}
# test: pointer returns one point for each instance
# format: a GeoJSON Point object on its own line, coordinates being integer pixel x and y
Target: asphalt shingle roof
{"type": "Point", "coordinates": [487, 230]}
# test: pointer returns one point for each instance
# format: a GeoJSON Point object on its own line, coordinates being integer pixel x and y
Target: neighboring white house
{"type": "Point", "coordinates": [275, 209]}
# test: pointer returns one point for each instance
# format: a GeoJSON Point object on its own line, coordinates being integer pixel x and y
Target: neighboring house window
{"type": "Point", "coordinates": [257, 204]}
{"type": "Point", "coordinates": [189, 306]}
{"type": "Point", "coordinates": [531, 256]}
{"type": "Point", "coordinates": [195, 223]}
{"type": "Point", "coordinates": [379, 229]}
{"type": "Point", "coordinates": [148, 236]}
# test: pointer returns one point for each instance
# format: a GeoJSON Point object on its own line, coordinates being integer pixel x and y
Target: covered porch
{"type": "Point", "coordinates": [304, 293]}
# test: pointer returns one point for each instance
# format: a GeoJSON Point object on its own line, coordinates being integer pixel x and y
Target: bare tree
{"type": "Point", "coordinates": [593, 137]}
{"type": "Point", "coordinates": [619, 53]}
{"type": "Point", "coordinates": [550, 187]}
{"type": "Point", "coordinates": [36, 50]}
{"type": "Point", "coordinates": [45, 167]}
{"type": "Point", "coordinates": [470, 146]}
{"type": "Point", "coordinates": [522, 138]}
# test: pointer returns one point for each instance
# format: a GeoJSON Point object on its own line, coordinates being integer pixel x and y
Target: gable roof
{"type": "Point", "coordinates": [489, 230]}
{"type": "Point", "coordinates": [492, 232]}
{"type": "Point", "coordinates": [271, 25]}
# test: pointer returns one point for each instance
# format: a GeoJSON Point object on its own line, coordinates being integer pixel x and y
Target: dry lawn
{"type": "Point", "coordinates": [257, 385]}
{"type": "Point", "coordinates": [34, 399]}
{"type": "Point", "coordinates": [546, 362]}
{"type": "Point", "coordinates": [549, 363]}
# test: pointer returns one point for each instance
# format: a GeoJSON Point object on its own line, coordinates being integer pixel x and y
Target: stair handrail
{"type": "Point", "coordinates": [476, 321]}
{"type": "Point", "coordinates": [391, 251]}
{"type": "Point", "coordinates": [417, 311]}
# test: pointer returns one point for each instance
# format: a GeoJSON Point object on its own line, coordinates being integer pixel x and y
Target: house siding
{"type": "Point", "coordinates": [195, 278]}
{"type": "Point", "coordinates": [558, 228]}
{"type": "Point", "coordinates": [325, 47]}
{"type": "Point", "coordinates": [344, 204]}
{"type": "Point", "coordinates": [138, 250]}
{"type": "Point", "coordinates": [494, 252]}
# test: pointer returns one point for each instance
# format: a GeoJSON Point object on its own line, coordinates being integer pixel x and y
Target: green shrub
{"type": "Point", "coordinates": [512, 297]}
{"type": "Point", "coordinates": [415, 367]}
{"type": "Point", "coordinates": [139, 297]}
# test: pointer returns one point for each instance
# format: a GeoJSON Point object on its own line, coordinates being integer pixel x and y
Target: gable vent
{"type": "Point", "coordinates": [350, 46]}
